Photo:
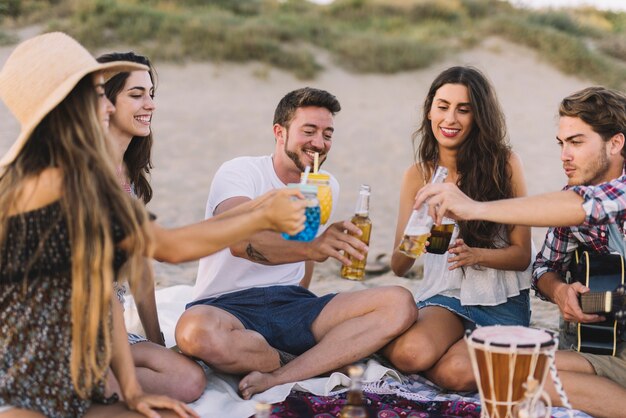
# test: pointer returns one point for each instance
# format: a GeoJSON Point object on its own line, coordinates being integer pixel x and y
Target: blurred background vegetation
{"type": "Point", "coordinates": [377, 36]}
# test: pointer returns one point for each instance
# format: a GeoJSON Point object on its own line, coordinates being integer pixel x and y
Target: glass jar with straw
{"type": "Point", "coordinates": [312, 211]}
{"type": "Point", "coordinates": [324, 192]}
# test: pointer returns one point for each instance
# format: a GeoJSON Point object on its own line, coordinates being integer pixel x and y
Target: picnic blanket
{"type": "Point", "coordinates": [388, 392]}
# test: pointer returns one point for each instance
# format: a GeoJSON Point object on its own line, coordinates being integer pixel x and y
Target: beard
{"type": "Point", "coordinates": [595, 174]}
{"type": "Point", "coordinates": [293, 156]}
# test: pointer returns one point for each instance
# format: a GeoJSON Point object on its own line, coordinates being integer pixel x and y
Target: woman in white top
{"type": "Point", "coordinates": [484, 277]}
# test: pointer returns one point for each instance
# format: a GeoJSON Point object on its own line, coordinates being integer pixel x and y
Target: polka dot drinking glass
{"type": "Point", "coordinates": [312, 213]}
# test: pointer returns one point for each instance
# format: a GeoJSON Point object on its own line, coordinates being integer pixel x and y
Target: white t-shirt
{"type": "Point", "coordinates": [222, 272]}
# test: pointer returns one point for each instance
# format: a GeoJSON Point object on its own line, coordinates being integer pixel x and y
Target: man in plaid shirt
{"type": "Point", "coordinates": [592, 129]}
{"type": "Point", "coordinates": [591, 154]}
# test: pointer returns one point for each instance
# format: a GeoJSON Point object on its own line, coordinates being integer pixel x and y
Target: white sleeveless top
{"type": "Point", "coordinates": [472, 285]}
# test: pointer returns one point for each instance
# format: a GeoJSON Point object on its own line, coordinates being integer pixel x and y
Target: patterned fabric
{"type": "Point", "coordinates": [120, 289]}
{"type": "Point", "coordinates": [300, 404]}
{"type": "Point", "coordinates": [415, 397]}
{"type": "Point", "coordinates": [35, 315]}
{"type": "Point", "coordinates": [559, 246]}
{"type": "Point", "coordinates": [602, 205]}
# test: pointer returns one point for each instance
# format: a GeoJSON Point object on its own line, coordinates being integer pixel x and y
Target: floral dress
{"type": "Point", "coordinates": [35, 314]}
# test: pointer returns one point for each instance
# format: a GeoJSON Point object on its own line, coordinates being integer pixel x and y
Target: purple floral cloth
{"type": "Point", "coordinates": [302, 405]}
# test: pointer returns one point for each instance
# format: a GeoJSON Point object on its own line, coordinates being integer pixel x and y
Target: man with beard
{"type": "Point", "coordinates": [592, 124]}
{"type": "Point", "coordinates": [250, 315]}
{"type": "Point", "coordinates": [592, 128]}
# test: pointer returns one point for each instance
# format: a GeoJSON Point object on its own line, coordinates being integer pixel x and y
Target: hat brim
{"type": "Point", "coordinates": [57, 97]}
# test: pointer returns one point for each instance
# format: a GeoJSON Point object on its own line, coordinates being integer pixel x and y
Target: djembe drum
{"type": "Point", "coordinates": [503, 357]}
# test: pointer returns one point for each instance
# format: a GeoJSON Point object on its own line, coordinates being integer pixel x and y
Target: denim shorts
{"type": "Point", "coordinates": [515, 311]}
{"type": "Point", "coordinates": [283, 315]}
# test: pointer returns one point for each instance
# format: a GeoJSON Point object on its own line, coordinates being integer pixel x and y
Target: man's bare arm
{"type": "Point", "coordinates": [548, 209]}
{"type": "Point", "coordinates": [270, 248]}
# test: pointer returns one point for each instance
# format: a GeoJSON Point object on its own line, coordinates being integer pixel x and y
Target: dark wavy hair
{"type": "Point", "coordinates": [138, 155]}
{"type": "Point", "coordinates": [482, 159]}
{"type": "Point", "coordinates": [601, 108]}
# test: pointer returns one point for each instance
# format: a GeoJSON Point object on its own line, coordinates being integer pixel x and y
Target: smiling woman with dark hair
{"type": "Point", "coordinates": [159, 369]}
{"type": "Point", "coordinates": [484, 277]}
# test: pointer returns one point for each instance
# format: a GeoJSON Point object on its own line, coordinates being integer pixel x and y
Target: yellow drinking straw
{"type": "Point", "coordinates": [324, 194]}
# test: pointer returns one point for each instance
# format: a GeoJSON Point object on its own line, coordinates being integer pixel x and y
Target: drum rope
{"type": "Point", "coordinates": [509, 393]}
{"type": "Point", "coordinates": [558, 386]}
{"type": "Point", "coordinates": [492, 386]}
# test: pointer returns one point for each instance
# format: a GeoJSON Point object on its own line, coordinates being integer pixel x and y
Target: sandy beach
{"type": "Point", "coordinates": [209, 113]}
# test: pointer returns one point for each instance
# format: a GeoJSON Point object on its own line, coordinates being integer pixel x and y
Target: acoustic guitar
{"type": "Point", "coordinates": [604, 275]}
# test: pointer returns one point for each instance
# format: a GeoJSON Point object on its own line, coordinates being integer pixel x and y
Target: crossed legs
{"type": "Point", "coordinates": [351, 326]}
{"type": "Point", "coordinates": [434, 346]}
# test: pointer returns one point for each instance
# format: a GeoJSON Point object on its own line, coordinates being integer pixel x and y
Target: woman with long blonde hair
{"type": "Point", "coordinates": [66, 228]}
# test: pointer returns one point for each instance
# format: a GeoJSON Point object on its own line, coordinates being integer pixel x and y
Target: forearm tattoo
{"type": "Point", "coordinates": [255, 255]}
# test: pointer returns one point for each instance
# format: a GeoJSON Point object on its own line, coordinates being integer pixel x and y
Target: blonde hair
{"type": "Point", "coordinates": [71, 139]}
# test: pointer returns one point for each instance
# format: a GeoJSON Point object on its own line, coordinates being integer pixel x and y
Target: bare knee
{"type": "Point", "coordinates": [202, 337]}
{"type": "Point", "coordinates": [194, 384]}
{"type": "Point", "coordinates": [453, 373]}
{"type": "Point", "coordinates": [400, 309]}
{"type": "Point", "coordinates": [412, 354]}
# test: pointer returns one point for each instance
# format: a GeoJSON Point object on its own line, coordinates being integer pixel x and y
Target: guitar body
{"type": "Point", "coordinates": [600, 273]}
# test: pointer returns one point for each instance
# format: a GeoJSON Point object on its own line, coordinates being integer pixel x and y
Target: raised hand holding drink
{"type": "Point", "coordinates": [312, 213]}
{"type": "Point", "coordinates": [356, 269]}
{"type": "Point", "coordinates": [418, 228]}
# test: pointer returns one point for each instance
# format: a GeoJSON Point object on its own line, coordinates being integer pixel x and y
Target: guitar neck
{"type": "Point", "coordinates": [596, 302]}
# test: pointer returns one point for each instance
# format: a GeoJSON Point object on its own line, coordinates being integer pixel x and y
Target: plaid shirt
{"type": "Point", "coordinates": [602, 204]}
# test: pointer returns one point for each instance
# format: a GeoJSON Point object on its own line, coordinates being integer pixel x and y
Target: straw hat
{"type": "Point", "coordinates": [39, 74]}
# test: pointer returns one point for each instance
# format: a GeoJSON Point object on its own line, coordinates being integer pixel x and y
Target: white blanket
{"type": "Point", "coordinates": [221, 394]}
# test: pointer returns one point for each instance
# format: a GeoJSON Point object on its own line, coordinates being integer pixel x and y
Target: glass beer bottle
{"type": "Point", "coordinates": [356, 269]}
{"type": "Point", "coordinates": [262, 410]}
{"type": "Point", "coordinates": [440, 236]}
{"type": "Point", "coordinates": [355, 402]}
{"type": "Point", "coordinates": [418, 228]}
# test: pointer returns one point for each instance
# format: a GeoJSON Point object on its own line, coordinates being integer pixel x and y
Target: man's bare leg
{"type": "Point", "coordinates": [593, 394]}
{"type": "Point", "coordinates": [351, 326]}
{"type": "Point", "coordinates": [220, 340]}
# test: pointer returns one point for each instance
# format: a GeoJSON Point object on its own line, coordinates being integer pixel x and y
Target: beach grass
{"type": "Point", "coordinates": [365, 36]}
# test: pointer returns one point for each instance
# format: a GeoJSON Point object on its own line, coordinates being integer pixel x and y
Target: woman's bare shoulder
{"type": "Point", "coordinates": [415, 173]}
{"type": "Point", "coordinates": [38, 191]}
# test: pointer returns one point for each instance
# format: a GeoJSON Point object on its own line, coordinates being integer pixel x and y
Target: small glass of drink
{"type": "Point", "coordinates": [312, 213]}
{"type": "Point", "coordinates": [440, 236]}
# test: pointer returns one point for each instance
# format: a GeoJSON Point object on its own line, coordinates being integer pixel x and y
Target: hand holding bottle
{"type": "Point", "coordinates": [356, 269]}
{"type": "Point", "coordinates": [417, 230]}
{"type": "Point", "coordinates": [448, 200]}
